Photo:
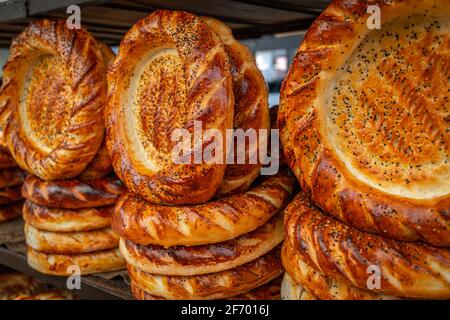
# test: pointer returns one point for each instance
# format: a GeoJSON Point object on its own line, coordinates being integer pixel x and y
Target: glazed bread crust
{"type": "Point", "coordinates": [251, 110]}
{"type": "Point", "coordinates": [203, 259]}
{"type": "Point", "coordinates": [219, 285]}
{"type": "Point", "coordinates": [320, 285]}
{"type": "Point", "coordinates": [70, 242]}
{"type": "Point", "coordinates": [53, 97]}
{"type": "Point", "coordinates": [101, 165]}
{"type": "Point", "coordinates": [215, 221]}
{"type": "Point", "coordinates": [61, 264]}
{"type": "Point", "coordinates": [268, 291]}
{"type": "Point", "coordinates": [291, 290]}
{"type": "Point", "coordinates": [365, 126]}
{"type": "Point", "coordinates": [66, 220]}
{"type": "Point", "coordinates": [172, 72]}
{"type": "Point", "coordinates": [413, 270]}
{"type": "Point", "coordinates": [72, 194]}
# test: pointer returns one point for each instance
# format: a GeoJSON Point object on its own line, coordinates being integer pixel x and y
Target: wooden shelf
{"type": "Point", "coordinates": [92, 287]}
{"type": "Point", "coordinates": [108, 20]}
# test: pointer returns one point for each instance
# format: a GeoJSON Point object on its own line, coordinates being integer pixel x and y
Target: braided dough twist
{"type": "Point", "coordinates": [320, 285]}
{"type": "Point", "coordinates": [291, 290]}
{"type": "Point", "coordinates": [209, 258]}
{"type": "Point", "coordinates": [52, 98]}
{"type": "Point", "coordinates": [251, 110]}
{"type": "Point", "coordinates": [61, 264]}
{"type": "Point", "coordinates": [212, 222]}
{"type": "Point", "coordinates": [70, 242]}
{"type": "Point", "coordinates": [412, 270]}
{"type": "Point", "coordinates": [366, 114]}
{"type": "Point", "coordinates": [217, 285]}
{"type": "Point", "coordinates": [172, 72]}
{"type": "Point", "coordinates": [72, 194]}
{"type": "Point", "coordinates": [66, 220]}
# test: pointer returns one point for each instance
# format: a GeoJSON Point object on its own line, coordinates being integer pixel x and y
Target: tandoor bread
{"type": "Point", "coordinates": [215, 221]}
{"type": "Point", "coordinates": [412, 270]}
{"type": "Point", "coordinates": [322, 286]}
{"type": "Point", "coordinates": [366, 115]}
{"type": "Point", "coordinates": [217, 285]}
{"type": "Point", "coordinates": [88, 263]}
{"type": "Point", "coordinates": [53, 99]}
{"type": "Point", "coordinates": [172, 72]}
{"type": "Point", "coordinates": [70, 242]}
{"type": "Point", "coordinates": [101, 165]}
{"type": "Point", "coordinates": [291, 290]}
{"type": "Point", "coordinates": [268, 291]}
{"type": "Point", "coordinates": [208, 258]}
{"type": "Point", "coordinates": [72, 194]}
{"type": "Point", "coordinates": [251, 110]}
{"type": "Point", "coordinates": [66, 220]}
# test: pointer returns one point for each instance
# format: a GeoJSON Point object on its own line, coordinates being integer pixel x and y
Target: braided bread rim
{"type": "Point", "coordinates": [72, 194]}
{"type": "Point", "coordinates": [219, 285]}
{"type": "Point", "coordinates": [248, 112]}
{"type": "Point", "coordinates": [192, 183]}
{"type": "Point", "coordinates": [210, 258]}
{"type": "Point", "coordinates": [70, 242]}
{"type": "Point", "coordinates": [412, 270]}
{"type": "Point", "coordinates": [320, 285]}
{"type": "Point", "coordinates": [89, 263]}
{"type": "Point", "coordinates": [75, 47]}
{"type": "Point", "coordinates": [291, 290]}
{"type": "Point", "coordinates": [327, 44]}
{"type": "Point", "coordinates": [216, 221]}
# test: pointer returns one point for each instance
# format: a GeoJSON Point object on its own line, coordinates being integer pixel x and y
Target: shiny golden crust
{"type": "Point", "coordinates": [99, 167]}
{"type": "Point", "coordinates": [251, 110]}
{"type": "Point", "coordinates": [70, 242]}
{"type": "Point", "coordinates": [291, 290]}
{"type": "Point", "coordinates": [209, 258]}
{"type": "Point", "coordinates": [53, 98]}
{"type": "Point", "coordinates": [10, 211]}
{"type": "Point", "coordinates": [366, 112]}
{"type": "Point", "coordinates": [11, 177]}
{"type": "Point", "coordinates": [14, 284]}
{"type": "Point", "coordinates": [72, 194]}
{"type": "Point", "coordinates": [66, 220]}
{"type": "Point", "coordinates": [268, 291]}
{"type": "Point", "coordinates": [61, 265]}
{"type": "Point", "coordinates": [412, 270]}
{"type": "Point", "coordinates": [10, 195]}
{"type": "Point", "coordinates": [218, 285]}
{"type": "Point", "coordinates": [216, 221]}
{"type": "Point", "coordinates": [322, 286]}
{"type": "Point", "coordinates": [171, 71]}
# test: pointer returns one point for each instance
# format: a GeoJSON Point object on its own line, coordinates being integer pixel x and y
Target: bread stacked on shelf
{"type": "Point", "coordinates": [203, 230]}
{"type": "Point", "coordinates": [11, 201]}
{"type": "Point", "coordinates": [54, 92]}
{"type": "Point", "coordinates": [365, 128]}
{"type": "Point", "coordinates": [11, 179]}
{"type": "Point", "coordinates": [19, 286]}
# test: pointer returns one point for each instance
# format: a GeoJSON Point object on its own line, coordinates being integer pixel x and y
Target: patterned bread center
{"type": "Point", "coordinates": [156, 105]}
{"type": "Point", "coordinates": [388, 111]}
{"type": "Point", "coordinates": [45, 103]}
